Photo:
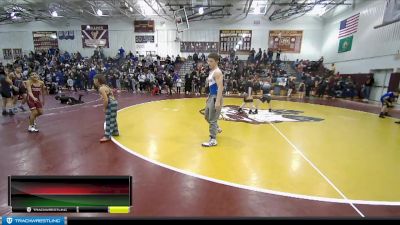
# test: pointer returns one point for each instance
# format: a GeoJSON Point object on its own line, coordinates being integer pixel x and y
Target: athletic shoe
{"type": "Point", "coordinates": [251, 112]}
{"type": "Point", "coordinates": [381, 115]}
{"type": "Point", "coordinates": [210, 143]}
{"type": "Point", "coordinates": [11, 113]}
{"type": "Point", "coordinates": [219, 130]}
{"type": "Point", "coordinates": [5, 113]}
{"type": "Point", "coordinates": [105, 139]}
{"type": "Point", "coordinates": [240, 110]}
{"type": "Point", "coordinates": [32, 129]}
{"type": "Point", "coordinates": [270, 110]}
{"type": "Point", "coordinates": [256, 111]}
{"type": "Point", "coordinates": [15, 110]}
{"type": "Point", "coordinates": [34, 124]}
{"type": "Point", "coordinates": [397, 122]}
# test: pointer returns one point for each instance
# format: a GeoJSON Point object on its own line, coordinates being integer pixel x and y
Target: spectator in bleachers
{"type": "Point", "coordinates": [278, 55]}
{"type": "Point", "coordinates": [309, 82]}
{"type": "Point", "coordinates": [121, 52]}
{"type": "Point", "coordinates": [232, 55]}
{"type": "Point", "coordinates": [321, 87]}
{"type": "Point", "coordinates": [251, 58]}
{"type": "Point", "coordinates": [270, 55]}
{"type": "Point", "coordinates": [203, 57]}
{"type": "Point", "coordinates": [291, 85]}
{"type": "Point", "coordinates": [195, 57]}
{"type": "Point", "coordinates": [178, 86]}
{"type": "Point", "coordinates": [178, 59]}
{"type": "Point", "coordinates": [301, 89]}
{"type": "Point", "coordinates": [347, 87]}
{"type": "Point", "coordinates": [265, 57]}
{"type": "Point", "coordinates": [258, 56]}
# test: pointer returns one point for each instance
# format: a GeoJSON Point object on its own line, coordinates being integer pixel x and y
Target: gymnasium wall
{"type": "Point", "coordinates": [371, 49]}
{"type": "Point", "coordinates": [121, 34]}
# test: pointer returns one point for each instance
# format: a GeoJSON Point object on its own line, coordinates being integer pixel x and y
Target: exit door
{"type": "Point", "coordinates": [382, 79]}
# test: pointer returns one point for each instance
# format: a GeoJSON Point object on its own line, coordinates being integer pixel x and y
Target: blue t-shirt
{"type": "Point", "coordinates": [121, 52]}
{"type": "Point", "coordinates": [92, 73]}
{"type": "Point", "coordinates": [388, 96]}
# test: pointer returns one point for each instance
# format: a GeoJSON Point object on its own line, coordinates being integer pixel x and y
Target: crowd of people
{"type": "Point", "coordinates": [63, 71]}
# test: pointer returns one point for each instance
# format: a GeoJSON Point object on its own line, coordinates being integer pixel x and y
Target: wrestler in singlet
{"type": "Point", "coordinates": [36, 91]}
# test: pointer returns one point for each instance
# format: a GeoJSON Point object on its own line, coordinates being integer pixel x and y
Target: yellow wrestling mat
{"type": "Point", "coordinates": [300, 150]}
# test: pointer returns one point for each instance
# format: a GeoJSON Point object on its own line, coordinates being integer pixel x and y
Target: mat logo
{"type": "Point", "coordinates": [9, 220]}
{"type": "Point", "coordinates": [231, 113]}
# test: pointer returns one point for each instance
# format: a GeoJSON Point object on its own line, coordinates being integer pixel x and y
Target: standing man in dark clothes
{"type": "Point", "coordinates": [265, 57]}
{"type": "Point", "coordinates": [369, 83]}
{"type": "Point", "coordinates": [195, 57]}
{"type": "Point", "coordinates": [278, 55]}
{"type": "Point", "coordinates": [258, 56]}
{"type": "Point", "coordinates": [6, 92]}
{"type": "Point", "coordinates": [203, 57]}
{"type": "Point", "coordinates": [309, 85]}
{"type": "Point", "coordinates": [270, 55]}
{"type": "Point", "coordinates": [252, 55]}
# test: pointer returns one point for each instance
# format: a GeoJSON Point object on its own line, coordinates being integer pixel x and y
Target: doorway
{"type": "Point", "coordinates": [382, 79]}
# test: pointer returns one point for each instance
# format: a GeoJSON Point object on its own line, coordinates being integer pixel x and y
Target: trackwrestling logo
{"type": "Point", "coordinates": [231, 113]}
{"type": "Point", "coordinates": [55, 220]}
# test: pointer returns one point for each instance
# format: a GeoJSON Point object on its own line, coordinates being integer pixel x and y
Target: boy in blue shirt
{"type": "Point", "coordinates": [387, 102]}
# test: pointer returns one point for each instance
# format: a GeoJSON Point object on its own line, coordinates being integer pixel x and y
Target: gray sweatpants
{"type": "Point", "coordinates": [211, 115]}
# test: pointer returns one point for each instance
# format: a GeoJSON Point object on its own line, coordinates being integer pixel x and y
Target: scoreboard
{"type": "Point", "coordinates": [65, 194]}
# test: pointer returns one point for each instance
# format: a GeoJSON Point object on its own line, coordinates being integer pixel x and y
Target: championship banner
{"type": "Point", "coordinates": [44, 40]}
{"type": "Point", "coordinates": [288, 41]}
{"type": "Point", "coordinates": [7, 53]}
{"type": "Point", "coordinates": [145, 47]}
{"type": "Point", "coordinates": [235, 39]}
{"type": "Point", "coordinates": [144, 38]}
{"type": "Point", "coordinates": [196, 46]}
{"type": "Point", "coordinates": [17, 52]}
{"type": "Point", "coordinates": [66, 35]}
{"type": "Point", "coordinates": [144, 26]}
{"type": "Point", "coordinates": [94, 36]}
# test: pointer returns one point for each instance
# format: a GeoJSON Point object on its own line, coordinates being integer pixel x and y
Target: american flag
{"type": "Point", "coordinates": [349, 25]}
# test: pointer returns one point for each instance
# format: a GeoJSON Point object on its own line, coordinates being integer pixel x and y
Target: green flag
{"type": "Point", "coordinates": [345, 44]}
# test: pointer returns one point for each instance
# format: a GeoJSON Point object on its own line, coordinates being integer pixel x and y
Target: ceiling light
{"type": "Point", "coordinates": [126, 4]}
{"type": "Point", "coordinates": [12, 14]}
{"type": "Point", "coordinates": [54, 14]}
{"type": "Point", "coordinates": [99, 12]}
{"type": "Point", "coordinates": [201, 10]}
{"type": "Point", "coordinates": [131, 9]}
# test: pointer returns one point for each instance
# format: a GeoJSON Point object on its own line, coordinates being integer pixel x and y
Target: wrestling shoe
{"type": "Point", "coordinates": [210, 143]}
